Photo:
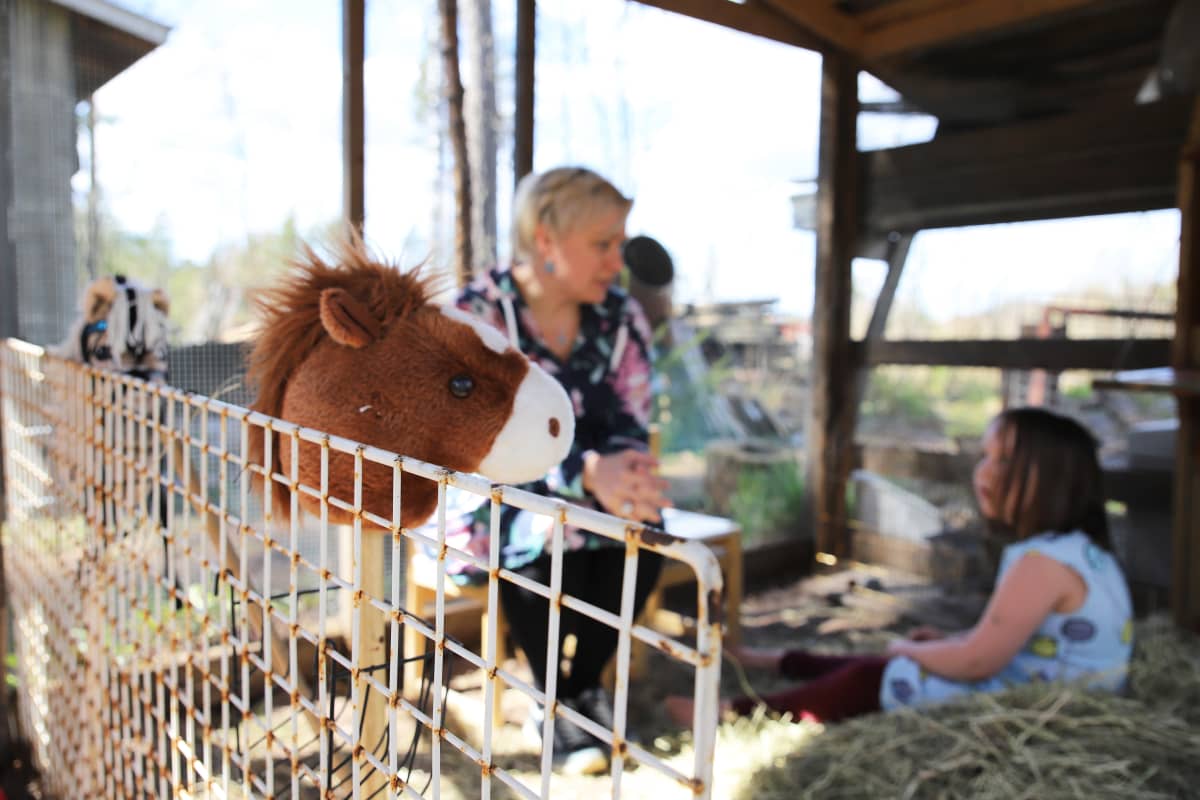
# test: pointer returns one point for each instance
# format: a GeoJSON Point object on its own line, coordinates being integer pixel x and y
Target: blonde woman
{"type": "Point", "coordinates": [559, 304]}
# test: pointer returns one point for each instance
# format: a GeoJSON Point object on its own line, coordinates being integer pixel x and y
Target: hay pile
{"type": "Point", "coordinates": [1045, 741]}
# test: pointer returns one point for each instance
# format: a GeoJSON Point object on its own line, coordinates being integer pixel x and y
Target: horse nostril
{"type": "Point", "coordinates": [554, 427]}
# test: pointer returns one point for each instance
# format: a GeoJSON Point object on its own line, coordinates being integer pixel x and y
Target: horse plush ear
{"type": "Point", "coordinates": [160, 301]}
{"type": "Point", "coordinates": [346, 320]}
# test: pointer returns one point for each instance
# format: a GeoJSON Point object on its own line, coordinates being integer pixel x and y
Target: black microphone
{"type": "Point", "coordinates": [648, 261]}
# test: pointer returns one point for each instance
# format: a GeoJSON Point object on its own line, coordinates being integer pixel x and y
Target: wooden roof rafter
{"type": "Point", "coordinates": [756, 17]}
{"type": "Point", "coordinates": [885, 31]}
{"type": "Point", "coordinates": [909, 25]}
{"type": "Point", "coordinates": [825, 20]}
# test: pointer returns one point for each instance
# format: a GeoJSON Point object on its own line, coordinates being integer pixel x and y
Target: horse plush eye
{"type": "Point", "coordinates": [461, 386]}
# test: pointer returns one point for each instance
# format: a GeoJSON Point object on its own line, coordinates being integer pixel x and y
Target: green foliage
{"type": "Point", "coordinates": [946, 400]}
{"type": "Point", "coordinates": [891, 396]}
{"type": "Point", "coordinates": [770, 503]}
{"type": "Point", "coordinates": [682, 404]}
{"type": "Point", "coordinates": [210, 300]}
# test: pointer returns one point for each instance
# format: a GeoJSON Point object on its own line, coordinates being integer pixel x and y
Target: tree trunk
{"type": "Point", "coordinates": [448, 10]}
{"type": "Point", "coordinates": [481, 120]}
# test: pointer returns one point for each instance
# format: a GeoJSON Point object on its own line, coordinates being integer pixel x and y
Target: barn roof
{"type": "Point", "coordinates": [969, 62]}
{"type": "Point", "coordinates": [1037, 103]}
{"type": "Point", "coordinates": [107, 39]}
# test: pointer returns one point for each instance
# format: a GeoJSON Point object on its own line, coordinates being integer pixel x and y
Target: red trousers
{"type": "Point", "coordinates": [838, 687]}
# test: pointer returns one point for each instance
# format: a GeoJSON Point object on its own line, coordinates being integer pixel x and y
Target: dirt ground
{"type": "Point", "coordinates": [850, 610]}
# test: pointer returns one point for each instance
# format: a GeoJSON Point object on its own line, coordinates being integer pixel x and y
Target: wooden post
{"type": "Point", "coordinates": [372, 638]}
{"type": "Point", "coordinates": [523, 124]}
{"type": "Point", "coordinates": [1185, 579]}
{"type": "Point", "coordinates": [354, 15]}
{"type": "Point", "coordinates": [831, 421]}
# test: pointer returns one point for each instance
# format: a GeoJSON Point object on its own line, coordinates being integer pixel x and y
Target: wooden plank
{"type": "Point", "coordinates": [1181, 382]}
{"type": "Point", "coordinates": [1105, 160]}
{"type": "Point", "coordinates": [1054, 355]}
{"type": "Point", "coordinates": [754, 17]}
{"type": "Point", "coordinates": [824, 20]}
{"type": "Point", "coordinates": [353, 112]}
{"type": "Point", "coordinates": [892, 13]}
{"type": "Point", "coordinates": [1185, 578]}
{"type": "Point", "coordinates": [942, 23]}
{"type": "Point", "coordinates": [831, 429]}
{"type": "Point", "coordinates": [523, 116]}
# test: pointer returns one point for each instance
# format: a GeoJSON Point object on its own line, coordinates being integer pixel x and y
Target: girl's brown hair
{"type": "Point", "coordinates": [1053, 478]}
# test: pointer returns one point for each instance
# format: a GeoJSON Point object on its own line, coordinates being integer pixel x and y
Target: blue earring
{"type": "Point", "coordinates": [549, 267]}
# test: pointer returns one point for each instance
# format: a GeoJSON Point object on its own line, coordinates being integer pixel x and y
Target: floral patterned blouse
{"type": "Point", "coordinates": [608, 378]}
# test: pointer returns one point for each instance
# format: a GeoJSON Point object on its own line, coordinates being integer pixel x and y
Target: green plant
{"type": "Point", "coordinates": [683, 407]}
{"type": "Point", "coordinates": [770, 503]}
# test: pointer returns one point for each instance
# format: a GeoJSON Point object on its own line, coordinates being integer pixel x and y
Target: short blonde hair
{"type": "Point", "coordinates": [559, 199]}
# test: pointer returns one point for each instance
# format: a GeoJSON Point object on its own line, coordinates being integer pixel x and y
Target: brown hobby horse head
{"type": "Point", "coordinates": [358, 349]}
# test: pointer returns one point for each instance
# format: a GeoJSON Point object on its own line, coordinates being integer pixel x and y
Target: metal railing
{"type": "Point", "coordinates": [176, 637]}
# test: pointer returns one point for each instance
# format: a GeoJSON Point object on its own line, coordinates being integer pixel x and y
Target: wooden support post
{"type": "Point", "coordinates": [1185, 580]}
{"type": "Point", "coordinates": [831, 423]}
{"type": "Point", "coordinates": [523, 124]}
{"type": "Point", "coordinates": [897, 255]}
{"type": "Point", "coordinates": [372, 639]}
{"type": "Point", "coordinates": [353, 112]}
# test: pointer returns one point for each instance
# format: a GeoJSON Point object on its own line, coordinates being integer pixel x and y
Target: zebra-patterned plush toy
{"type": "Point", "coordinates": [123, 327]}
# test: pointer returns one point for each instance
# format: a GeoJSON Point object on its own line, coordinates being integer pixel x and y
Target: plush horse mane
{"type": "Point", "coordinates": [291, 314]}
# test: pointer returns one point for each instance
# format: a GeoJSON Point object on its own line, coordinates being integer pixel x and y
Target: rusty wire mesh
{"type": "Point", "coordinates": [142, 561]}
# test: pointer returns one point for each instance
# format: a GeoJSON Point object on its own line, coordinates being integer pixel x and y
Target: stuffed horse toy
{"type": "Point", "coordinates": [358, 349]}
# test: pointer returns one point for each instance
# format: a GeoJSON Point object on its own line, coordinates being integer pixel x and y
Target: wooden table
{"type": "Point", "coordinates": [724, 537]}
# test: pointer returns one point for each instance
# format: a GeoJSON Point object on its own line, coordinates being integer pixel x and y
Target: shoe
{"type": "Point", "coordinates": [576, 752]}
{"type": "Point", "coordinates": [597, 704]}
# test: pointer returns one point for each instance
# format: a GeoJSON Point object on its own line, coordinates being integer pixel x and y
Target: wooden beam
{"type": "Point", "coordinates": [824, 20]}
{"type": "Point", "coordinates": [754, 17]}
{"type": "Point", "coordinates": [923, 24]}
{"type": "Point", "coordinates": [1054, 355]}
{"type": "Point", "coordinates": [887, 14]}
{"type": "Point", "coordinates": [1185, 578]}
{"type": "Point", "coordinates": [831, 425]}
{"type": "Point", "coordinates": [526, 55]}
{"type": "Point", "coordinates": [354, 15]}
{"type": "Point", "coordinates": [1106, 160]}
{"type": "Point", "coordinates": [897, 255]}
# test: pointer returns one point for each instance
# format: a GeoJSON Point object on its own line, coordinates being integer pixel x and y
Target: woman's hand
{"type": "Point", "coordinates": [625, 483]}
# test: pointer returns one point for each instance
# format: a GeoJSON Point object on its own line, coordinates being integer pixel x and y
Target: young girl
{"type": "Point", "coordinates": [1060, 609]}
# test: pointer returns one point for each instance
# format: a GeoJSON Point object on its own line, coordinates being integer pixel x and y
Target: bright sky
{"type": "Point", "coordinates": [234, 125]}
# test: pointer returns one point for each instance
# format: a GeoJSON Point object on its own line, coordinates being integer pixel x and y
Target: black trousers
{"type": "Point", "coordinates": [594, 576]}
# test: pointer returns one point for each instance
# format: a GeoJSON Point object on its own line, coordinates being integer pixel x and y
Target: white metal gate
{"type": "Point", "coordinates": [141, 562]}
